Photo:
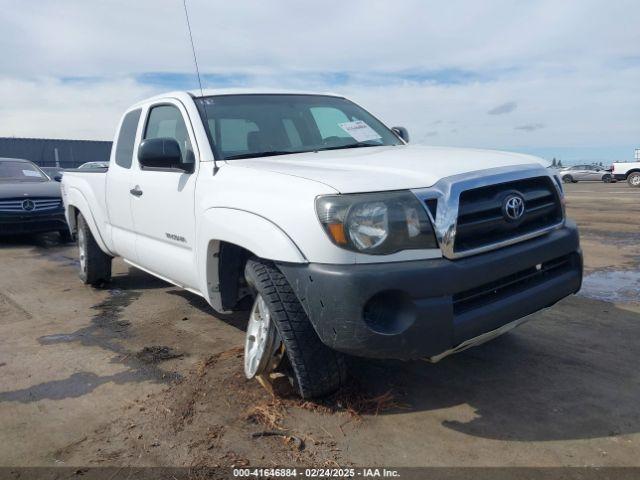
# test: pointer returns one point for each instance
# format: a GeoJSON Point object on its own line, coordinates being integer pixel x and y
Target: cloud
{"type": "Point", "coordinates": [53, 108]}
{"type": "Point", "coordinates": [530, 127]}
{"type": "Point", "coordinates": [503, 108]}
{"type": "Point", "coordinates": [573, 65]}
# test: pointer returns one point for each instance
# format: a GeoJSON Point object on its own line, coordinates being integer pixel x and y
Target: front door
{"type": "Point", "coordinates": [163, 201]}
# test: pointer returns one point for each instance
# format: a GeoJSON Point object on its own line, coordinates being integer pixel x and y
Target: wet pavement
{"type": "Point", "coordinates": [618, 286]}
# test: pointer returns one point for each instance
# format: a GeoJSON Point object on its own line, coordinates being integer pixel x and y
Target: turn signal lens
{"type": "Point", "coordinates": [337, 232]}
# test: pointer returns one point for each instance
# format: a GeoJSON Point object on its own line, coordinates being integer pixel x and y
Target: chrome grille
{"type": "Point", "coordinates": [39, 204]}
{"type": "Point", "coordinates": [481, 220]}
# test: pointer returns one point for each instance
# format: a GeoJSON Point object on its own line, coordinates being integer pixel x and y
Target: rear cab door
{"type": "Point", "coordinates": [119, 184]}
{"type": "Point", "coordinates": [163, 199]}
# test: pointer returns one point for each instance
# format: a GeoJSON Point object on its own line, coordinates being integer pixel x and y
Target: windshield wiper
{"type": "Point", "coordinates": [351, 145]}
{"type": "Point", "coordinates": [271, 153]}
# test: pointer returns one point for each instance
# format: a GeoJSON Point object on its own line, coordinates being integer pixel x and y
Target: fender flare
{"type": "Point", "coordinates": [257, 234]}
{"type": "Point", "coordinates": [76, 200]}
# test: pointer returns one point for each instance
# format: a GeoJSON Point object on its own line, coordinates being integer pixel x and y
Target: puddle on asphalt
{"type": "Point", "coordinates": [621, 286]}
{"type": "Point", "coordinates": [58, 338]}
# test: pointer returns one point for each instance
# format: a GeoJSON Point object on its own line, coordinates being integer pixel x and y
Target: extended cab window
{"type": "Point", "coordinates": [165, 121]}
{"type": "Point", "coordinates": [127, 138]}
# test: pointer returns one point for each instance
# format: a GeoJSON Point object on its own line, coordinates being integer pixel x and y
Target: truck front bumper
{"type": "Point", "coordinates": [425, 308]}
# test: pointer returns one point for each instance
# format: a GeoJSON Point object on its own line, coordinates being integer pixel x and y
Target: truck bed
{"type": "Point", "coordinates": [88, 188]}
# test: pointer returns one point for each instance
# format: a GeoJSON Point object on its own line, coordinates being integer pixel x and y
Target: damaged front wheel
{"type": "Point", "coordinates": [262, 347]}
{"type": "Point", "coordinates": [280, 337]}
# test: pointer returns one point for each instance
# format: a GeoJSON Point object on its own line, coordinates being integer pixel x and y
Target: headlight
{"type": "Point", "coordinates": [376, 223]}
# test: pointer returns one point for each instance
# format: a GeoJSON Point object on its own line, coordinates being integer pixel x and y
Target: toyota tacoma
{"type": "Point", "coordinates": [341, 237]}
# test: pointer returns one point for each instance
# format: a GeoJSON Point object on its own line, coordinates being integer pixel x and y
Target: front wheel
{"type": "Point", "coordinates": [634, 179]}
{"type": "Point", "coordinates": [606, 178]}
{"type": "Point", "coordinates": [279, 326]}
{"type": "Point", "coordinates": [95, 265]}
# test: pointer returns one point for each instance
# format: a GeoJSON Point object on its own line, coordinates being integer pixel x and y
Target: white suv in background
{"type": "Point", "coordinates": [629, 171]}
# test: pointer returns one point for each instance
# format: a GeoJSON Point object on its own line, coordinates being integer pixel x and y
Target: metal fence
{"type": "Point", "coordinates": [55, 153]}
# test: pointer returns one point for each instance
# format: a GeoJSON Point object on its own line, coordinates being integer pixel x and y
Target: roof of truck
{"type": "Point", "coordinates": [207, 92]}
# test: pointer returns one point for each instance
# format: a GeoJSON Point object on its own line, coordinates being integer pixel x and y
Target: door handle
{"type": "Point", "coordinates": [136, 191]}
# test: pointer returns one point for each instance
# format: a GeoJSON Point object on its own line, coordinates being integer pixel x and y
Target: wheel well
{"type": "Point", "coordinates": [635, 170]}
{"type": "Point", "coordinates": [225, 274]}
{"type": "Point", "coordinates": [73, 218]}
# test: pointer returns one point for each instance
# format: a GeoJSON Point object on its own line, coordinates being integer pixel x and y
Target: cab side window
{"type": "Point", "coordinates": [165, 121]}
{"type": "Point", "coordinates": [127, 138]}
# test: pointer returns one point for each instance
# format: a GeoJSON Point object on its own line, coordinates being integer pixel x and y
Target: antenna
{"type": "Point", "coordinates": [195, 61]}
{"type": "Point", "coordinates": [193, 48]}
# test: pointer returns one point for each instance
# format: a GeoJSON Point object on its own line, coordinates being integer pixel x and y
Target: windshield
{"type": "Point", "coordinates": [20, 172]}
{"type": "Point", "coordinates": [246, 126]}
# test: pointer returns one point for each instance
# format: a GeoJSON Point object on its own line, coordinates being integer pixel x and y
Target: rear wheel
{"type": "Point", "coordinates": [279, 327]}
{"type": "Point", "coordinates": [606, 178]}
{"type": "Point", "coordinates": [634, 179]}
{"type": "Point", "coordinates": [567, 179]}
{"type": "Point", "coordinates": [95, 265]}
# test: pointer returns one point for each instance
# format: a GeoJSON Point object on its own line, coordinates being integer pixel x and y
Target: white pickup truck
{"type": "Point", "coordinates": [346, 239]}
{"type": "Point", "coordinates": [629, 171]}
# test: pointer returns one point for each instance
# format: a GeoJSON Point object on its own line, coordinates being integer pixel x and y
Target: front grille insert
{"type": "Point", "coordinates": [17, 205]}
{"type": "Point", "coordinates": [480, 217]}
{"type": "Point", "coordinates": [511, 284]}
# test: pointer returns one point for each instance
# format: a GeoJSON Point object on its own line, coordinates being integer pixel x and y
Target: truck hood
{"type": "Point", "coordinates": [29, 189]}
{"type": "Point", "coordinates": [386, 168]}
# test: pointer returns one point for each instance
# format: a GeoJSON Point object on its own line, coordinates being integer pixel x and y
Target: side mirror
{"type": "Point", "coordinates": [58, 178]}
{"type": "Point", "coordinates": [402, 133]}
{"type": "Point", "coordinates": [162, 153]}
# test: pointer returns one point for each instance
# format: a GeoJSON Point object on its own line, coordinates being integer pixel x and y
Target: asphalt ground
{"type": "Point", "coordinates": [86, 380]}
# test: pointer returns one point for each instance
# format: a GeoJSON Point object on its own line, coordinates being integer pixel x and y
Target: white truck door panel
{"type": "Point", "coordinates": [119, 183]}
{"type": "Point", "coordinates": [164, 212]}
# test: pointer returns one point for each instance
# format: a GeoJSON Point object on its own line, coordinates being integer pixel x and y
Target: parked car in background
{"type": "Point", "coordinates": [629, 171]}
{"type": "Point", "coordinates": [93, 165]}
{"type": "Point", "coordinates": [346, 238]}
{"type": "Point", "coordinates": [54, 173]}
{"type": "Point", "coordinates": [30, 201]}
{"type": "Point", "coordinates": [581, 173]}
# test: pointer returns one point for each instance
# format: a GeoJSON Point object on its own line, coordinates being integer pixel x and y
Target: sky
{"type": "Point", "coordinates": [554, 78]}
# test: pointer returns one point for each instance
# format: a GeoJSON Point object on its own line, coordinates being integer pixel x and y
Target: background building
{"type": "Point", "coordinates": [54, 152]}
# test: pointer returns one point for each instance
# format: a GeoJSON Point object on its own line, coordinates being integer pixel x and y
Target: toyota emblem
{"type": "Point", "coordinates": [513, 207]}
{"type": "Point", "coordinates": [28, 205]}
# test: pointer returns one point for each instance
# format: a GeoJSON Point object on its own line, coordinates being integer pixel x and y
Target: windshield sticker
{"type": "Point", "coordinates": [360, 131]}
{"type": "Point", "coordinates": [30, 173]}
